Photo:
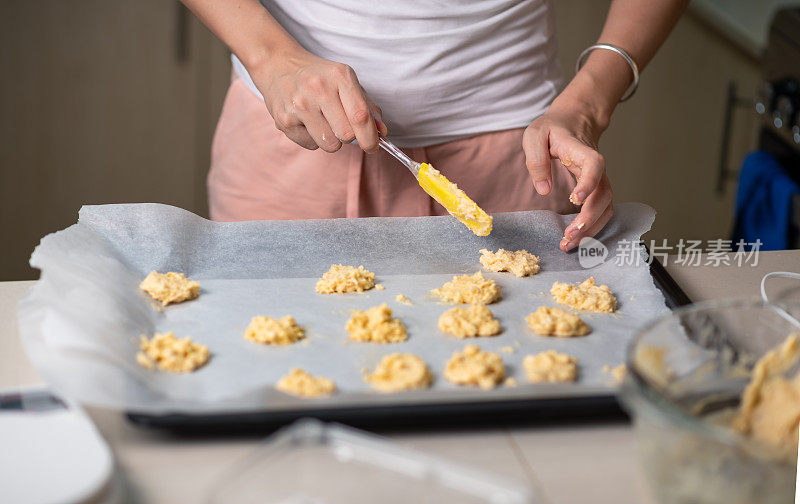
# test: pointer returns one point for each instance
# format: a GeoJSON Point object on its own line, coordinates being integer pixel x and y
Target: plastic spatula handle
{"type": "Point", "coordinates": [395, 151]}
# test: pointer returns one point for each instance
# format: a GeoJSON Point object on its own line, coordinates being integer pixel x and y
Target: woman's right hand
{"type": "Point", "coordinates": [319, 103]}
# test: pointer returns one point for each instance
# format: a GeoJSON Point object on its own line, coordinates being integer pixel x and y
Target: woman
{"type": "Point", "coordinates": [471, 87]}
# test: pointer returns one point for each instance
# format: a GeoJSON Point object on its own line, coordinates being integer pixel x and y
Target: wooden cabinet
{"type": "Point", "coordinates": [101, 101]}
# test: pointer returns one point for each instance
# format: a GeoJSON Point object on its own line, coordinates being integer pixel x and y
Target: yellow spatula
{"type": "Point", "coordinates": [446, 193]}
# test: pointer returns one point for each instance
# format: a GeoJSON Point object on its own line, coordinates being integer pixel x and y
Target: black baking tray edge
{"type": "Point", "coordinates": [419, 416]}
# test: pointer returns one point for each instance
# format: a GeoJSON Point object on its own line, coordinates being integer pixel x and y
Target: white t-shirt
{"type": "Point", "coordinates": [440, 69]}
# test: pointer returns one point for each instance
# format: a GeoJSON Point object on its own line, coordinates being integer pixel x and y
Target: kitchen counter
{"type": "Point", "coordinates": [156, 467]}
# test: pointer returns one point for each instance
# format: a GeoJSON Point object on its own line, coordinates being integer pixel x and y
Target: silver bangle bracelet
{"type": "Point", "coordinates": [621, 52]}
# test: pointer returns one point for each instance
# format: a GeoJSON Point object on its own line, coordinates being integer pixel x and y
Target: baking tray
{"type": "Point", "coordinates": [81, 322]}
{"type": "Point", "coordinates": [471, 413]}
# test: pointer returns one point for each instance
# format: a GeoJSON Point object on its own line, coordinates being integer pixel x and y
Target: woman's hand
{"type": "Point", "coordinates": [319, 103]}
{"type": "Point", "coordinates": [568, 133]}
{"type": "Point", "coordinates": [571, 127]}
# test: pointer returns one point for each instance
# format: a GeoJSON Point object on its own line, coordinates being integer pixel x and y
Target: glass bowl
{"type": "Point", "coordinates": [686, 374]}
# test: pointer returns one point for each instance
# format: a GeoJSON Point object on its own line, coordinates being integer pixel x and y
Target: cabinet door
{"type": "Point", "coordinates": [103, 101]}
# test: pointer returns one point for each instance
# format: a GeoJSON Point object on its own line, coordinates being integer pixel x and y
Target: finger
{"type": "Point", "coordinates": [359, 115]}
{"type": "Point", "coordinates": [300, 136]}
{"type": "Point", "coordinates": [377, 114]}
{"type": "Point", "coordinates": [306, 110]}
{"type": "Point", "coordinates": [537, 158]}
{"type": "Point", "coordinates": [601, 222]}
{"type": "Point", "coordinates": [334, 113]}
{"type": "Point", "coordinates": [598, 225]}
{"type": "Point", "coordinates": [287, 121]}
{"type": "Point", "coordinates": [590, 213]}
{"type": "Point", "coordinates": [586, 163]}
{"type": "Point", "coordinates": [319, 129]}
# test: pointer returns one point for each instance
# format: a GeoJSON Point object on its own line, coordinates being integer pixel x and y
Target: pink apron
{"type": "Point", "coordinates": [257, 173]}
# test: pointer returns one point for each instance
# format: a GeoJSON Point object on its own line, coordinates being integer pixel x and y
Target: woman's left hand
{"type": "Point", "coordinates": [569, 134]}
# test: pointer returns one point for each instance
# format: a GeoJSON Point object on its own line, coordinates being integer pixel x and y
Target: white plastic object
{"type": "Point", "coordinates": [778, 309]}
{"type": "Point", "coordinates": [50, 452]}
{"type": "Point", "coordinates": [313, 462]}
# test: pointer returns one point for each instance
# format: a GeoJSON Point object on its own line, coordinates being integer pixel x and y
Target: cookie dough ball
{"type": "Point", "coordinates": [477, 320]}
{"type": "Point", "coordinates": [548, 321]}
{"type": "Point", "coordinates": [376, 325]}
{"type": "Point", "coordinates": [172, 354]}
{"type": "Point", "coordinates": [617, 372]}
{"type": "Point", "coordinates": [469, 289]}
{"type": "Point", "coordinates": [585, 296]}
{"type": "Point", "coordinates": [398, 372]}
{"type": "Point", "coordinates": [551, 366]}
{"type": "Point", "coordinates": [270, 331]}
{"type": "Point", "coordinates": [520, 263]}
{"type": "Point", "coordinates": [401, 298]}
{"type": "Point", "coordinates": [341, 279]}
{"type": "Point", "coordinates": [475, 367]}
{"type": "Point", "coordinates": [170, 287]}
{"type": "Point", "coordinates": [300, 383]}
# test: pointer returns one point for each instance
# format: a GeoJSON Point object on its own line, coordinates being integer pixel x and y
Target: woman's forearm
{"type": "Point", "coordinates": [637, 26]}
{"type": "Point", "coordinates": [570, 129]}
{"type": "Point", "coordinates": [247, 28]}
{"type": "Point", "coordinates": [315, 102]}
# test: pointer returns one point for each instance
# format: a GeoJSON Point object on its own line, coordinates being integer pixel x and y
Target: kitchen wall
{"type": "Point", "coordinates": [103, 101]}
{"type": "Point", "coordinates": [109, 101]}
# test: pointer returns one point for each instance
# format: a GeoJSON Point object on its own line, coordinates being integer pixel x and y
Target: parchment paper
{"type": "Point", "coordinates": [81, 322]}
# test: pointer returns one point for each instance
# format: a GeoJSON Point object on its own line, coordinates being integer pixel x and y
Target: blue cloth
{"type": "Point", "coordinates": [764, 203]}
